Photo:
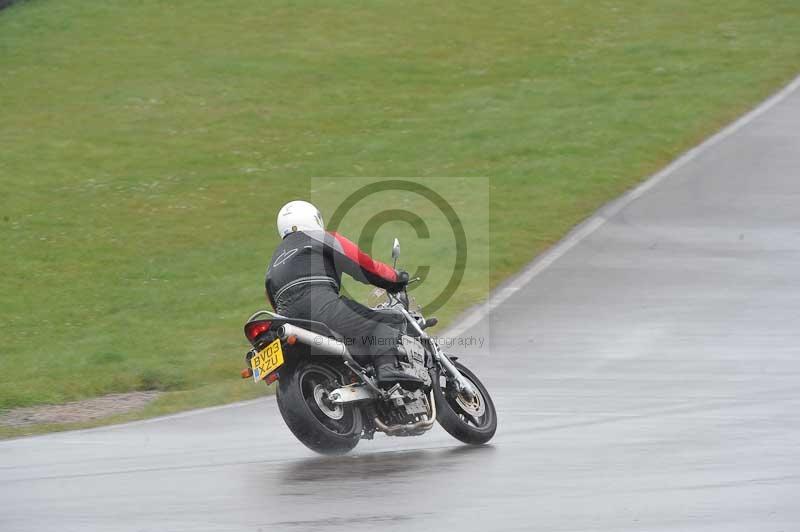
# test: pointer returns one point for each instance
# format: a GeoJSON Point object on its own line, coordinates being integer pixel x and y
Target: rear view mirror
{"type": "Point", "coordinates": [396, 250]}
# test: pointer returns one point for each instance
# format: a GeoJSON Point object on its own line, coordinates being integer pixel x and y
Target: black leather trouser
{"type": "Point", "coordinates": [367, 333]}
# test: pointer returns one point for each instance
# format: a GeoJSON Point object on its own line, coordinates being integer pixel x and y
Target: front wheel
{"type": "Point", "coordinates": [320, 425]}
{"type": "Point", "coordinates": [472, 421]}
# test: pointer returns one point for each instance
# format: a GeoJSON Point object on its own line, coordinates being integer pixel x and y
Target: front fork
{"type": "Point", "coordinates": [462, 384]}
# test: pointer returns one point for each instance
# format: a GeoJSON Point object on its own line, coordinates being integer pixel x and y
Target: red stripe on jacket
{"type": "Point", "coordinates": [364, 261]}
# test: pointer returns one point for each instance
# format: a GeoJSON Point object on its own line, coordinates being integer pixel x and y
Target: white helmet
{"type": "Point", "coordinates": [299, 216]}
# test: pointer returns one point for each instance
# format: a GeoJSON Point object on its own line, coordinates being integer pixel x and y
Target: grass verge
{"type": "Point", "coordinates": [146, 147]}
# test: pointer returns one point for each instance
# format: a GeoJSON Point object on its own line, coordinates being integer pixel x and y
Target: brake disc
{"type": "Point", "coordinates": [474, 406]}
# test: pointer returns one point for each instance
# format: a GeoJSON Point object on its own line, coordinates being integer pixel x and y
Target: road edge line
{"type": "Point", "coordinates": [510, 286]}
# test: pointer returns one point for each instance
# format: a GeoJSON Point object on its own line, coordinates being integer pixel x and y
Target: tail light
{"type": "Point", "coordinates": [254, 329]}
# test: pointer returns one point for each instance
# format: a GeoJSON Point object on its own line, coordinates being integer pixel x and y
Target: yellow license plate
{"type": "Point", "coordinates": [267, 360]}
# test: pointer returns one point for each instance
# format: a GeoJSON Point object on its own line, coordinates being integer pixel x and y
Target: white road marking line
{"type": "Point", "coordinates": [602, 215]}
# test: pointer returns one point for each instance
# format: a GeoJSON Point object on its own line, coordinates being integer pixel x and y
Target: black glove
{"type": "Point", "coordinates": [402, 281]}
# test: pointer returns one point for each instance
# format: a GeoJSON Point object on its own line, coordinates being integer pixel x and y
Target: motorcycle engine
{"type": "Point", "coordinates": [404, 407]}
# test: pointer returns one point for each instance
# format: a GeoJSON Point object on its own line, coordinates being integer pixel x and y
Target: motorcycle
{"type": "Point", "coordinates": [329, 401]}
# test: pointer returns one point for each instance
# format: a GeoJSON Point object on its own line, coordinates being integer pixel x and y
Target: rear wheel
{"type": "Point", "coordinates": [322, 426]}
{"type": "Point", "coordinates": [471, 420]}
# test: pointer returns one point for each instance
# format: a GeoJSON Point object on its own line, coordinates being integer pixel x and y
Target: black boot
{"type": "Point", "coordinates": [388, 371]}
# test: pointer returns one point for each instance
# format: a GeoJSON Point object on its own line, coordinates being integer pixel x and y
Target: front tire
{"type": "Point", "coordinates": [470, 421]}
{"type": "Point", "coordinates": [321, 426]}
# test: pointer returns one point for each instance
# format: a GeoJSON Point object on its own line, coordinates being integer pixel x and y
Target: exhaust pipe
{"type": "Point", "coordinates": [331, 346]}
{"type": "Point", "coordinates": [292, 333]}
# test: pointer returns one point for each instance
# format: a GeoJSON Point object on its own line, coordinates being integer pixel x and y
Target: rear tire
{"type": "Point", "coordinates": [473, 422]}
{"type": "Point", "coordinates": [318, 424]}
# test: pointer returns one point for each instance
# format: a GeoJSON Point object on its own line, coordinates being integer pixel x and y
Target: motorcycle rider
{"type": "Point", "coordinates": [303, 281]}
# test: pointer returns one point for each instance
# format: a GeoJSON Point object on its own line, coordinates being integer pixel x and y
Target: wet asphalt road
{"type": "Point", "coordinates": [647, 378]}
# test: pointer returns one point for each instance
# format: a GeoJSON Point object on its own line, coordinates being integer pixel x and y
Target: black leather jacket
{"type": "Point", "coordinates": [318, 259]}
